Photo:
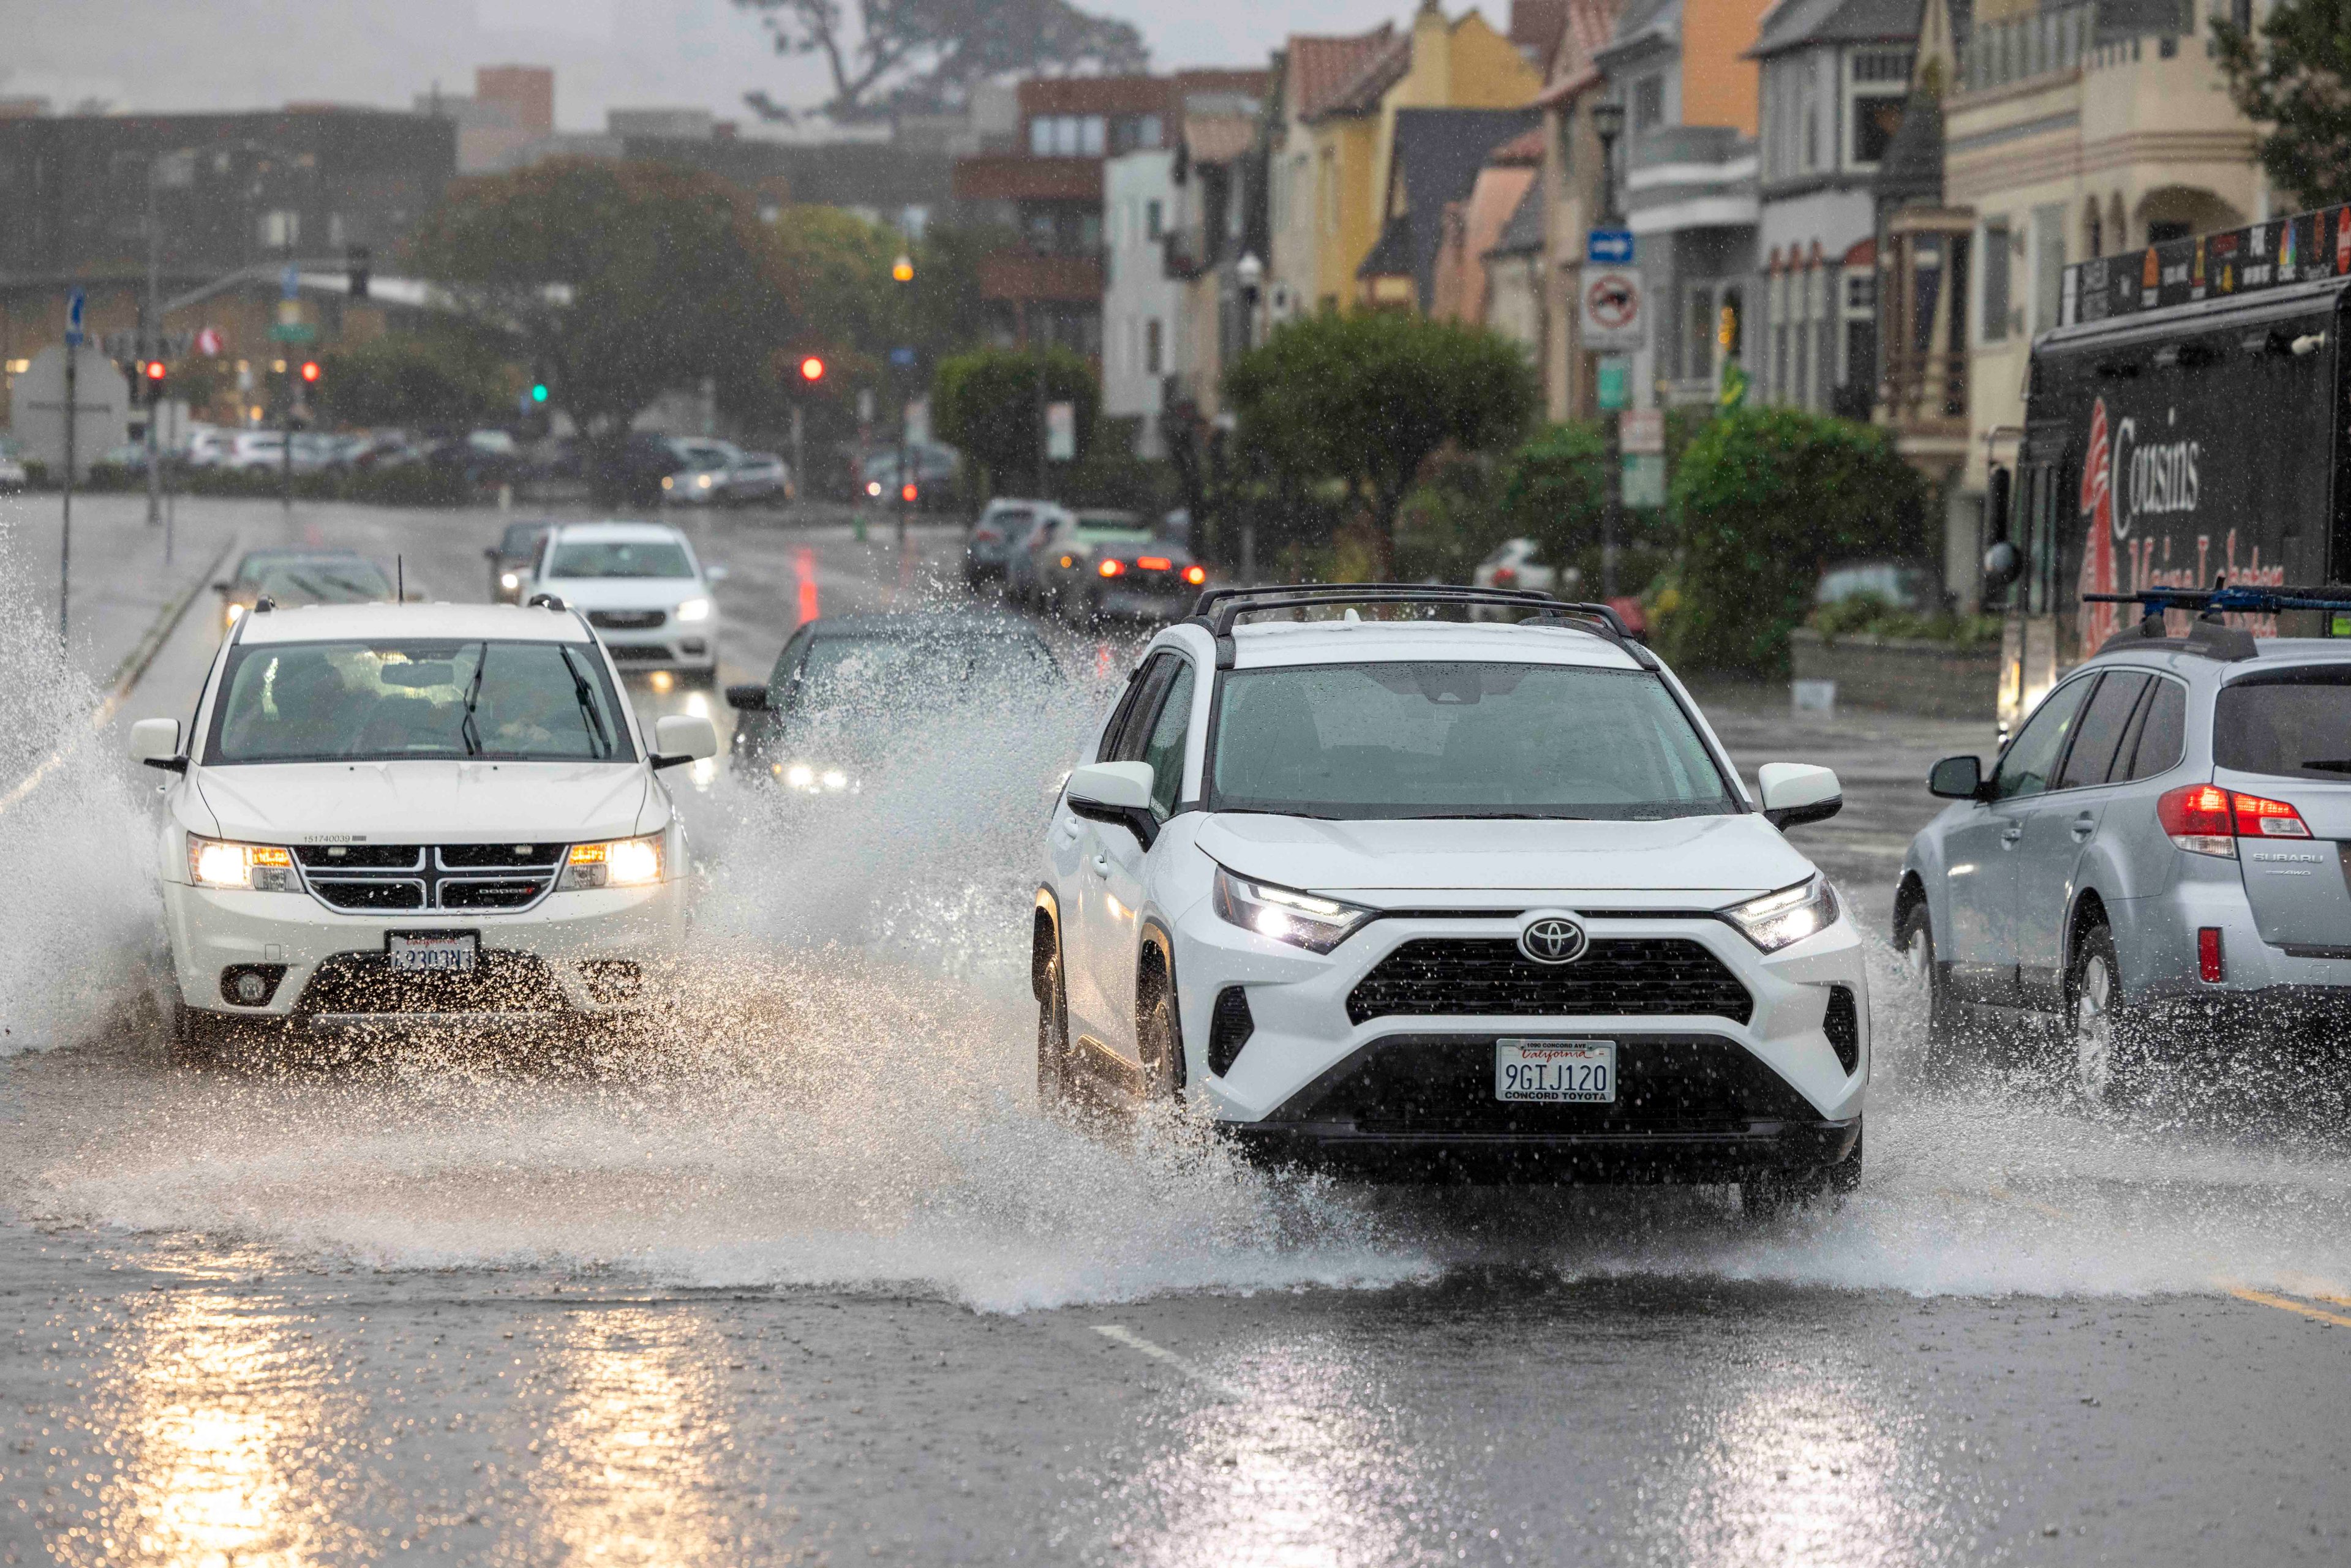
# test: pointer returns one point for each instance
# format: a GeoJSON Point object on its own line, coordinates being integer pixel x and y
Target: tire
{"type": "Point", "coordinates": [1056, 1093]}
{"type": "Point", "coordinates": [1159, 1041]}
{"type": "Point", "coordinates": [1949, 1050]}
{"type": "Point", "coordinates": [2101, 1059]}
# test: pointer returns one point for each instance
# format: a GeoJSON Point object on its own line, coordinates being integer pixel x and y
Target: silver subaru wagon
{"type": "Point", "coordinates": [2153, 865]}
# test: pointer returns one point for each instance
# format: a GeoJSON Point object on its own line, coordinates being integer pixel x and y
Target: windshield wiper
{"type": "Point", "coordinates": [2328, 764]}
{"type": "Point", "coordinates": [467, 730]}
{"type": "Point", "coordinates": [587, 700]}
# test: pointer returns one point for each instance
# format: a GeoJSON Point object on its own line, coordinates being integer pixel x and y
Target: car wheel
{"type": "Point", "coordinates": [1159, 1041]}
{"type": "Point", "coordinates": [2103, 1050]}
{"type": "Point", "coordinates": [1947, 1047]}
{"type": "Point", "coordinates": [1055, 1092]}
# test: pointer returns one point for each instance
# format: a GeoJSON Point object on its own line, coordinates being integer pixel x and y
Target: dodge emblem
{"type": "Point", "coordinates": [1552, 939]}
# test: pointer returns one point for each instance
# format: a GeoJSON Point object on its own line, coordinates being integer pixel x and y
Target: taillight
{"type": "Point", "coordinates": [1155, 563]}
{"type": "Point", "coordinates": [1196, 575]}
{"type": "Point", "coordinates": [2211, 967]}
{"type": "Point", "coordinates": [1111, 567]}
{"type": "Point", "coordinates": [2206, 820]}
{"type": "Point", "coordinates": [1505, 577]}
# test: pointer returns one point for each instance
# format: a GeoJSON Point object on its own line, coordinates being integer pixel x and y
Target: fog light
{"type": "Point", "coordinates": [250, 988]}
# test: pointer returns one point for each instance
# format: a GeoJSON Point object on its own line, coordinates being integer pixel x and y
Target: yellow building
{"type": "Point", "coordinates": [1334, 137]}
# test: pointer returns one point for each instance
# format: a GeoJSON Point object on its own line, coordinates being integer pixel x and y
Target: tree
{"type": "Point", "coordinates": [1766, 497]}
{"type": "Point", "coordinates": [620, 281]}
{"type": "Point", "coordinates": [989, 403]}
{"type": "Point", "coordinates": [926, 55]}
{"type": "Point", "coordinates": [1554, 491]}
{"type": "Point", "coordinates": [1366, 399]}
{"type": "Point", "coordinates": [2291, 79]}
{"type": "Point", "coordinates": [422, 380]}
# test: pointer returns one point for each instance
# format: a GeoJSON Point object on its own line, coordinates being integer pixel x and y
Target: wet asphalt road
{"type": "Point", "coordinates": [817, 1286]}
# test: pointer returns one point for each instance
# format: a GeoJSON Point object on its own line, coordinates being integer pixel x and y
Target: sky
{"type": "Point", "coordinates": [164, 55]}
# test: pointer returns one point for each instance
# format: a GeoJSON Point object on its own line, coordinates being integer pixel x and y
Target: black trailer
{"type": "Point", "coordinates": [2187, 425]}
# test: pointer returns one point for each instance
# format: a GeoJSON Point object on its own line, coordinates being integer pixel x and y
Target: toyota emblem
{"type": "Point", "coordinates": [1552, 939]}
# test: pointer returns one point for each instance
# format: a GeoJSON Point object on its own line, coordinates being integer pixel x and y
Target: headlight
{"type": "Point", "coordinates": [1301, 919]}
{"type": "Point", "coordinates": [695, 610]}
{"type": "Point", "coordinates": [669, 482]}
{"type": "Point", "coordinates": [616, 863]}
{"type": "Point", "coordinates": [216, 863]}
{"type": "Point", "coordinates": [703, 480]}
{"type": "Point", "coordinates": [809, 779]}
{"type": "Point", "coordinates": [509, 580]}
{"type": "Point", "coordinates": [1779, 919]}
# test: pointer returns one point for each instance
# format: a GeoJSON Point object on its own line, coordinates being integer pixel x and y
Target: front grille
{"type": "Point", "coordinates": [370, 878]}
{"type": "Point", "coordinates": [387, 893]}
{"type": "Point", "coordinates": [1436, 1083]}
{"type": "Point", "coordinates": [1439, 976]}
{"type": "Point", "coordinates": [627, 653]}
{"type": "Point", "coordinates": [626, 620]}
{"type": "Point", "coordinates": [365, 983]}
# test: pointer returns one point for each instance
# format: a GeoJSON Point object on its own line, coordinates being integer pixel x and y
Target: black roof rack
{"type": "Point", "coordinates": [2208, 635]}
{"type": "Point", "coordinates": [1219, 608]}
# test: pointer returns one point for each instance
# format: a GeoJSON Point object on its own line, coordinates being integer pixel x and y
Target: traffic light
{"type": "Point", "coordinates": [359, 266]}
{"type": "Point", "coordinates": [539, 391]}
{"type": "Point", "coordinates": [908, 494]}
{"type": "Point", "coordinates": [903, 270]}
{"type": "Point", "coordinates": [310, 372]}
{"type": "Point", "coordinates": [154, 373]}
{"type": "Point", "coordinates": [812, 370]}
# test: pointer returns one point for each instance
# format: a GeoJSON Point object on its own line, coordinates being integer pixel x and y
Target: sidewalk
{"type": "Point", "coordinates": [121, 586]}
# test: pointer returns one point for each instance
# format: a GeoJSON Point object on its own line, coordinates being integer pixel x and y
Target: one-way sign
{"type": "Point", "coordinates": [1608, 248]}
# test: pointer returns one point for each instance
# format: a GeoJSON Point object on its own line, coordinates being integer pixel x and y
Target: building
{"type": "Point", "coordinates": [1049, 286]}
{"type": "Point", "coordinates": [1833, 76]}
{"type": "Point", "coordinates": [1437, 157]}
{"type": "Point", "coordinates": [1686, 172]}
{"type": "Point", "coordinates": [235, 199]}
{"type": "Point", "coordinates": [1516, 303]}
{"type": "Point", "coordinates": [1310, 76]}
{"type": "Point", "coordinates": [1143, 300]}
{"type": "Point", "coordinates": [1573, 181]}
{"type": "Point", "coordinates": [1217, 248]}
{"type": "Point", "coordinates": [511, 111]}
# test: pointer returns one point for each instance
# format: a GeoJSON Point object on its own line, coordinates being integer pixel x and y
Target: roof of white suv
{"type": "Point", "coordinates": [327, 622]}
{"type": "Point", "coordinates": [620, 532]}
{"type": "Point", "coordinates": [1263, 643]}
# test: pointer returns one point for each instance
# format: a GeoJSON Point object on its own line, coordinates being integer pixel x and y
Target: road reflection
{"type": "Point", "coordinates": [231, 1453]}
{"type": "Point", "coordinates": [626, 1469]}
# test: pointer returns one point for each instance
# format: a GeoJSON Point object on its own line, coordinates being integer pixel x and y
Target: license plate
{"type": "Point", "coordinates": [1555, 1071]}
{"type": "Point", "coordinates": [433, 955]}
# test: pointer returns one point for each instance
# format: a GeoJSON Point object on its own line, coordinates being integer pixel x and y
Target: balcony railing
{"type": "Point", "coordinates": [1999, 53]}
{"type": "Point", "coordinates": [1019, 275]}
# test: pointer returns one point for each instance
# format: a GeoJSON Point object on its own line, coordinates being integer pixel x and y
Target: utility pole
{"type": "Point", "coordinates": [73, 417]}
{"type": "Point", "coordinates": [151, 326]}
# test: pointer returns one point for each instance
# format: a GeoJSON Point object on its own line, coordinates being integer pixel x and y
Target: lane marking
{"type": "Point", "coordinates": [2285, 1304]}
{"type": "Point", "coordinates": [1121, 1335]}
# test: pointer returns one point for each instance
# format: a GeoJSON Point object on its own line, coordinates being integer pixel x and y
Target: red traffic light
{"type": "Point", "coordinates": [309, 370]}
{"type": "Point", "coordinates": [812, 369]}
{"type": "Point", "coordinates": [156, 369]}
{"type": "Point", "coordinates": [907, 492]}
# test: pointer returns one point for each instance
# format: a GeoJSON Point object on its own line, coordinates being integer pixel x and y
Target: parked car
{"type": "Point", "coordinates": [1156, 582]}
{"type": "Point", "coordinates": [2152, 872]}
{"type": "Point", "coordinates": [1440, 898]}
{"type": "Point", "coordinates": [208, 445]}
{"type": "Point", "coordinates": [1903, 585]}
{"type": "Point", "coordinates": [13, 475]}
{"type": "Point", "coordinates": [758, 477]}
{"type": "Point", "coordinates": [1001, 527]}
{"type": "Point", "coordinates": [1068, 555]}
{"type": "Point", "coordinates": [703, 467]}
{"type": "Point", "coordinates": [1515, 564]}
{"type": "Point", "coordinates": [321, 871]}
{"type": "Point", "coordinates": [933, 468]}
{"type": "Point", "coordinates": [510, 560]}
{"type": "Point", "coordinates": [849, 693]}
{"type": "Point", "coordinates": [1023, 548]}
{"type": "Point", "coordinates": [642, 587]}
{"type": "Point", "coordinates": [250, 450]}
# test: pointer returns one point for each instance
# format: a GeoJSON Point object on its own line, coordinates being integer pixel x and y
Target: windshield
{"type": "Point", "coordinates": [2294, 724]}
{"type": "Point", "coordinates": [338, 702]}
{"type": "Point", "coordinates": [1427, 740]}
{"type": "Point", "coordinates": [620, 557]}
{"type": "Point", "coordinates": [327, 582]}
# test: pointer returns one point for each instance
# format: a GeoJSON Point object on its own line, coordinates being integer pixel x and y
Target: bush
{"type": "Point", "coordinates": [986, 404]}
{"type": "Point", "coordinates": [1869, 615]}
{"type": "Point", "coordinates": [1765, 498]}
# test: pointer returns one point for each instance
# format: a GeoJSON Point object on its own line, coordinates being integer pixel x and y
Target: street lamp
{"type": "Point", "coordinates": [1249, 272]}
{"type": "Point", "coordinates": [1608, 124]}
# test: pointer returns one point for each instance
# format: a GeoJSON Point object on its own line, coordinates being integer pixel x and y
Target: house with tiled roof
{"type": "Point", "coordinates": [1437, 157]}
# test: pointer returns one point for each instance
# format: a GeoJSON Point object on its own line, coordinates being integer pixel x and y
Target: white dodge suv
{"type": "Point", "coordinates": [1447, 899]}
{"type": "Point", "coordinates": [391, 811]}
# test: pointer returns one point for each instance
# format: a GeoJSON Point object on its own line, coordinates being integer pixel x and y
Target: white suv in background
{"type": "Point", "coordinates": [1449, 898]}
{"type": "Point", "coordinates": [405, 812]}
{"type": "Point", "coordinates": [643, 590]}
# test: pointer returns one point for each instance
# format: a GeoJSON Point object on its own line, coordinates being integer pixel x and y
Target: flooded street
{"type": "Point", "coordinates": [800, 1273]}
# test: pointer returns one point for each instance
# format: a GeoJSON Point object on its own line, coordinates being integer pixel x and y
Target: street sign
{"type": "Point", "coordinates": [1061, 432]}
{"type": "Point", "coordinates": [293, 332]}
{"type": "Point", "coordinates": [1616, 384]}
{"type": "Point", "coordinates": [1645, 479]}
{"type": "Point", "coordinates": [1614, 321]}
{"type": "Point", "coordinates": [75, 300]}
{"type": "Point", "coordinates": [902, 358]}
{"type": "Point", "coordinates": [1642, 431]}
{"type": "Point", "coordinates": [1608, 248]}
{"type": "Point", "coordinates": [208, 342]}
{"type": "Point", "coordinates": [290, 282]}
{"type": "Point", "coordinates": [101, 407]}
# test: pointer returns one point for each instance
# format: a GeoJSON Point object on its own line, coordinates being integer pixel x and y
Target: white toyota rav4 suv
{"type": "Point", "coordinates": [1447, 899]}
{"type": "Point", "coordinates": [414, 811]}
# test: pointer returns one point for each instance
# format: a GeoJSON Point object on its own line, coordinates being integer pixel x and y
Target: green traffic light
{"type": "Point", "coordinates": [539, 391]}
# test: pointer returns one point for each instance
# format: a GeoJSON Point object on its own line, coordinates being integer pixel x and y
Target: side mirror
{"type": "Point", "coordinates": [1956, 778]}
{"type": "Point", "coordinates": [1795, 793]}
{"type": "Point", "coordinates": [156, 743]}
{"type": "Point", "coordinates": [221, 588]}
{"type": "Point", "coordinates": [1116, 792]}
{"type": "Point", "coordinates": [683, 737]}
{"type": "Point", "coordinates": [748, 698]}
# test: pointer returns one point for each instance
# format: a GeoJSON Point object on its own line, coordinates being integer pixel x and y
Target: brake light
{"type": "Point", "coordinates": [1155, 563]}
{"type": "Point", "coordinates": [1111, 567]}
{"type": "Point", "coordinates": [1505, 577]}
{"type": "Point", "coordinates": [1196, 575]}
{"type": "Point", "coordinates": [2260, 818]}
{"type": "Point", "coordinates": [2206, 820]}
{"type": "Point", "coordinates": [2210, 967]}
